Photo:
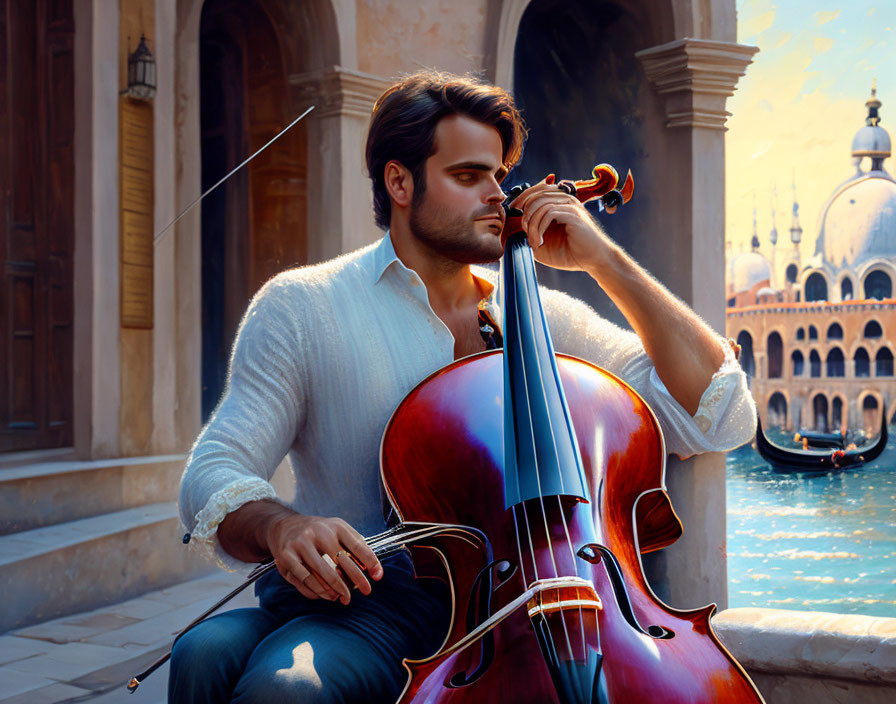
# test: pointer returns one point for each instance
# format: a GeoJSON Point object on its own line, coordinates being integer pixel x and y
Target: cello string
{"type": "Point", "coordinates": [516, 525]}
{"type": "Point", "coordinates": [532, 285]}
{"type": "Point", "coordinates": [519, 550]}
{"type": "Point", "coordinates": [578, 595]}
{"type": "Point", "coordinates": [544, 515]}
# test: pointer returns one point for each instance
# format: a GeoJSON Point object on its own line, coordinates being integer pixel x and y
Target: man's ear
{"type": "Point", "coordinates": [399, 183]}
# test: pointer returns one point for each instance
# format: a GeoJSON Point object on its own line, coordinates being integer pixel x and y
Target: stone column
{"type": "Point", "coordinates": [97, 358]}
{"type": "Point", "coordinates": [693, 78]}
{"type": "Point", "coordinates": [340, 211]}
{"type": "Point", "coordinates": [181, 247]}
{"type": "Point", "coordinates": [165, 392]}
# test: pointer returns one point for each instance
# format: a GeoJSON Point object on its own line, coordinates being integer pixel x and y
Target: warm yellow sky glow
{"type": "Point", "coordinates": [799, 105]}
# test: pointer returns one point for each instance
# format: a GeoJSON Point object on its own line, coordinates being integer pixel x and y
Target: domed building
{"type": "Point", "coordinates": [749, 273]}
{"type": "Point", "coordinates": [815, 334]}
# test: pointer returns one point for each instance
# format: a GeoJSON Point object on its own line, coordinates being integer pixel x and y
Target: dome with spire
{"type": "Point", "coordinates": [858, 222]}
{"type": "Point", "coordinates": [748, 269]}
{"type": "Point", "coordinates": [872, 140]}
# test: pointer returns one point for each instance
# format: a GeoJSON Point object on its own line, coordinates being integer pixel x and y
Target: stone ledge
{"type": "Point", "coordinates": [47, 493]}
{"type": "Point", "coordinates": [50, 539]}
{"type": "Point", "coordinates": [46, 469]}
{"type": "Point", "coordinates": [809, 643]}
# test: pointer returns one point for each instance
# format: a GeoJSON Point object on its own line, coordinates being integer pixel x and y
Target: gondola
{"type": "Point", "coordinates": [784, 460]}
{"type": "Point", "coordinates": [822, 440]}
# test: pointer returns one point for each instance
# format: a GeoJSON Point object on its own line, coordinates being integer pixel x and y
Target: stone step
{"type": "Point", "coordinates": [84, 564]}
{"type": "Point", "coordinates": [46, 493]}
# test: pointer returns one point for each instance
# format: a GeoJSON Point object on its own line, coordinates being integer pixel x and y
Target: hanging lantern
{"type": "Point", "coordinates": [141, 72]}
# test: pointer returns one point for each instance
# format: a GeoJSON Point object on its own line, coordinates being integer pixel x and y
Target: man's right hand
{"type": "Point", "coordinates": [300, 546]}
{"type": "Point", "coordinates": [298, 543]}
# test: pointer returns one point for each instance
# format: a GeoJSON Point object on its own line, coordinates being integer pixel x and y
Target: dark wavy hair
{"type": "Point", "coordinates": [404, 121]}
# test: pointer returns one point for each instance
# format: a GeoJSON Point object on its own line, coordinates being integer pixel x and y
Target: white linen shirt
{"type": "Point", "coordinates": [325, 353]}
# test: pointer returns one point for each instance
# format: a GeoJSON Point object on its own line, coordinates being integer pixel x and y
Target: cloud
{"type": "Point", "coordinates": [754, 7]}
{"type": "Point", "coordinates": [784, 38]}
{"type": "Point", "coordinates": [823, 17]}
{"type": "Point", "coordinates": [757, 24]}
{"type": "Point", "coordinates": [772, 38]}
{"type": "Point", "coordinates": [822, 44]}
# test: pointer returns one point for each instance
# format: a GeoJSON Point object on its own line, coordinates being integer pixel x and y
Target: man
{"type": "Point", "coordinates": [325, 353]}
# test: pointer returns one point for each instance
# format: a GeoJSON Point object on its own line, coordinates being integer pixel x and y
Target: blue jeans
{"type": "Point", "coordinates": [292, 649]}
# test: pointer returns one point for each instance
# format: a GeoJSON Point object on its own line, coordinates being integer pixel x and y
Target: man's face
{"type": "Point", "coordinates": [460, 215]}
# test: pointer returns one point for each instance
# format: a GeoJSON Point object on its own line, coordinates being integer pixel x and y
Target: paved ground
{"type": "Point", "coordinates": [90, 657]}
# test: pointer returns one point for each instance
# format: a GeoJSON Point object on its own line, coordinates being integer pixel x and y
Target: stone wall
{"type": "Point", "coordinates": [800, 657]}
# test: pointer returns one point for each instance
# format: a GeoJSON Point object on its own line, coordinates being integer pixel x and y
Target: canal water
{"type": "Point", "coordinates": [812, 542]}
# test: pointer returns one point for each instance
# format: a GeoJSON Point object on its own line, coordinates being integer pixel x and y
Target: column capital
{"type": "Point", "coordinates": [695, 77]}
{"type": "Point", "coordinates": [338, 91]}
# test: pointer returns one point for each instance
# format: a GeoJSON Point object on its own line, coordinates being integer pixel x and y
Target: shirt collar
{"type": "Point", "coordinates": [383, 256]}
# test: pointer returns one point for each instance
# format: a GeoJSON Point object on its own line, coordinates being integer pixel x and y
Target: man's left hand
{"type": "Point", "coordinates": [560, 230]}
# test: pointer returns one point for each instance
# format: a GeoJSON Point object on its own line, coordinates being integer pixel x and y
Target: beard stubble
{"type": "Point", "coordinates": [453, 236]}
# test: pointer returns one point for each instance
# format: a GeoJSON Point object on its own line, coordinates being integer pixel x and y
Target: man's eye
{"type": "Point", "coordinates": [465, 177]}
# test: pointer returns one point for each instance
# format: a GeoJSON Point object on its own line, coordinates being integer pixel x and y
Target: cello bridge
{"type": "Point", "coordinates": [563, 594]}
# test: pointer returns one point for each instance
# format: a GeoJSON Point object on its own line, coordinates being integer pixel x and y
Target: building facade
{"type": "Point", "coordinates": [816, 335]}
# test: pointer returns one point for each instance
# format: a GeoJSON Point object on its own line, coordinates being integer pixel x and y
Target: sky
{"type": "Point", "coordinates": [796, 110]}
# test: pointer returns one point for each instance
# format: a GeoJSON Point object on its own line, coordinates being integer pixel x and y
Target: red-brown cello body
{"type": "Point", "coordinates": [550, 600]}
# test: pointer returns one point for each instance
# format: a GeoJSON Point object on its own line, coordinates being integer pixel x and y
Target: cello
{"type": "Point", "coordinates": [538, 481]}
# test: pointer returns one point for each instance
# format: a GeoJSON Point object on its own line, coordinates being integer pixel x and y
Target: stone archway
{"type": "Point", "coordinates": [838, 414]}
{"type": "Point", "coordinates": [870, 410]}
{"type": "Point", "coordinates": [816, 287]}
{"type": "Point", "coordinates": [775, 355]}
{"type": "Point", "coordinates": [666, 18]}
{"type": "Point", "coordinates": [878, 285]}
{"type": "Point", "coordinates": [255, 225]}
{"type": "Point", "coordinates": [583, 113]}
{"type": "Point", "coordinates": [777, 411]}
{"type": "Point", "coordinates": [820, 413]}
{"type": "Point", "coordinates": [311, 38]}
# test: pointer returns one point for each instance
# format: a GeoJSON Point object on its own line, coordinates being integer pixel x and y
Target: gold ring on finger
{"type": "Point", "coordinates": [329, 560]}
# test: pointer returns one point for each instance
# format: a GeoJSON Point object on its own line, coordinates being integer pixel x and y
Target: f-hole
{"type": "Point", "coordinates": [592, 553]}
{"type": "Point", "coordinates": [490, 578]}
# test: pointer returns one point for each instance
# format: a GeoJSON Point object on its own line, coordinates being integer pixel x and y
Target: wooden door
{"type": "Point", "coordinates": [37, 205]}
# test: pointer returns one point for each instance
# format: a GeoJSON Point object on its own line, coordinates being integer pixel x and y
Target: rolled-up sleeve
{"type": "Point", "coordinates": [253, 427]}
{"type": "Point", "coordinates": [726, 415]}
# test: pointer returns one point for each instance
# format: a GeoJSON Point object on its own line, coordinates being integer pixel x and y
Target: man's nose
{"type": "Point", "coordinates": [495, 194]}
